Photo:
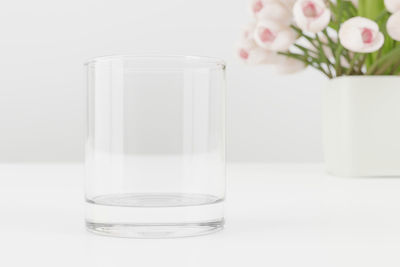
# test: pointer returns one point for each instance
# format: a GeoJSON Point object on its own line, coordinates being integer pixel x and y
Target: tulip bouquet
{"type": "Point", "coordinates": [336, 37]}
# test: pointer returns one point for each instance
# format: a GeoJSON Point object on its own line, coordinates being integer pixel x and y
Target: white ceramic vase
{"type": "Point", "coordinates": [361, 126]}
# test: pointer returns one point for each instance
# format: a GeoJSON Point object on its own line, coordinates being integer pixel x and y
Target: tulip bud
{"type": "Point", "coordinates": [274, 36]}
{"type": "Point", "coordinates": [393, 26]}
{"type": "Point", "coordinates": [361, 35]}
{"type": "Point", "coordinates": [250, 53]}
{"type": "Point", "coordinates": [311, 15]}
{"type": "Point", "coordinates": [392, 5]}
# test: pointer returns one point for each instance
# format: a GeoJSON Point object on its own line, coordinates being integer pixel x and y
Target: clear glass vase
{"type": "Point", "coordinates": [155, 151]}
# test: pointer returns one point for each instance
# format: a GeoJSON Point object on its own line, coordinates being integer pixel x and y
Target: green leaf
{"type": "Point", "coordinates": [370, 8]}
{"type": "Point", "coordinates": [396, 68]}
{"type": "Point", "coordinates": [338, 53]}
{"type": "Point", "coordinates": [381, 65]}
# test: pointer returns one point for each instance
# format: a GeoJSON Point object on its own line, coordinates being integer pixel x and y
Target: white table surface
{"type": "Point", "coordinates": [277, 215]}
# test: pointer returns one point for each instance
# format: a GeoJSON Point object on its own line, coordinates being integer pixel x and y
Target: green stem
{"type": "Point", "coordinates": [361, 63]}
{"type": "Point", "coordinates": [308, 38]}
{"type": "Point", "coordinates": [324, 57]}
{"type": "Point", "coordinates": [352, 63]}
{"type": "Point", "coordinates": [306, 50]}
{"type": "Point", "coordinates": [311, 61]}
{"type": "Point", "coordinates": [338, 67]}
{"type": "Point", "coordinates": [331, 43]}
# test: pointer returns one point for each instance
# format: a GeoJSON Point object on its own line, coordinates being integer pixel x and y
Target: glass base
{"type": "Point", "coordinates": [155, 230]}
{"type": "Point", "coordinates": [154, 215]}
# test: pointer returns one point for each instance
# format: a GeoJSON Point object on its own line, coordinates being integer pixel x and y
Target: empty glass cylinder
{"type": "Point", "coordinates": [155, 150]}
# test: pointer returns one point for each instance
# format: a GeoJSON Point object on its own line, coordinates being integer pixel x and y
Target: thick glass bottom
{"type": "Point", "coordinates": [154, 215]}
{"type": "Point", "coordinates": [155, 230]}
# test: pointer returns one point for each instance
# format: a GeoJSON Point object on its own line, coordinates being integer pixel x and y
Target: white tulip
{"type": "Point", "coordinates": [392, 5]}
{"type": "Point", "coordinates": [248, 31]}
{"type": "Point", "coordinates": [252, 54]}
{"type": "Point", "coordinates": [274, 36]}
{"type": "Point", "coordinates": [287, 65]}
{"type": "Point", "coordinates": [272, 10]}
{"type": "Point", "coordinates": [361, 35]}
{"type": "Point", "coordinates": [257, 6]}
{"type": "Point", "coordinates": [288, 3]}
{"type": "Point", "coordinates": [276, 11]}
{"type": "Point", "coordinates": [311, 15]}
{"type": "Point", "coordinates": [393, 26]}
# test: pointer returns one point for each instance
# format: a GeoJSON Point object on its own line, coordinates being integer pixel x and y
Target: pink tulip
{"type": "Point", "coordinates": [393, 26]}
{"type": "Point", "coordinates": [274, 36]}
{"type": "Point", "coordinates": [392, 5]}
{"type": "Point", "coordinates": [311, 15]}
{"type": "Point", "coordinates": [361, 35]}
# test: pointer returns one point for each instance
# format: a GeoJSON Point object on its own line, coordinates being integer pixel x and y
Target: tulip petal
{"type": "Point", "coordinates": [393, 26]}
{"type": "Point", "coordinates": [248, 30]}
{"type": "Point", "coordinates": [250, 53]}
{"type": "Point", "coordinates": [376, 45]}
{"type": "Point", "coordinates": [350, 38]}
{"type": "Point", "coordinates": [284, 40]}
{"type": "Point", "coordinates": [275, 11]}
{"type": "Point", "coordinates": [321, 23]}
{"type": "Point", "coordinates": [392, 5]}
{"type": "Point", "coordinates": [288, 65]}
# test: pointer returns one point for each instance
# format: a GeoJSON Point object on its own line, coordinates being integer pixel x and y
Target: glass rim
{"type": "Point", "coordinates": [185, 58]}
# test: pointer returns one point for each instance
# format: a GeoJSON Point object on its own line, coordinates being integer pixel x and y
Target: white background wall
{"type": "Point", "coordinates": [43, 45]}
